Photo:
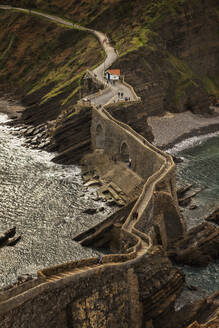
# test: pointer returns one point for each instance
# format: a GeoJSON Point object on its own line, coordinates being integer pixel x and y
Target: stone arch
{"type": "Point", "coordinates": [100, 136]}
{"type": "Point", "coordinates": [124, 152]}
{"type": "Point", "coordinates": [170, 225]}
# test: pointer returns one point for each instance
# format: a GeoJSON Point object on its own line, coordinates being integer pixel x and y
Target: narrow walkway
{"type": "Point", "coordinates": [52, 275]}
{"type": "Point", "coordinates": [110, 93]}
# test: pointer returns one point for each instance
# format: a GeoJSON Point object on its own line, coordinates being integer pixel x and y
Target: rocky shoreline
{"type": "Point", "coordinates": [11, 108]}
{"type": "Point", "coordinates": [168, 130]}
{"type": "Point", "coordinates": [203, 313]}
{"type": "Point", "coordinates": [38, 137]}
{"type": "Point", "coordinates": [172, 128]}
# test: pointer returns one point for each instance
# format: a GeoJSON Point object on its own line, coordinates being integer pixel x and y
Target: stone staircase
{"type": "Point", "coordinates": [66, 274]}
{"type": "Point", "coordinates": [125, 183]}
{"type": "Point", "coordinates": [51, 278]}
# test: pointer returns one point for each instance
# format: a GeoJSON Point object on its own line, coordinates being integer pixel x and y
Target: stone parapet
{"type": "Point", "coordinates": [103, 292]}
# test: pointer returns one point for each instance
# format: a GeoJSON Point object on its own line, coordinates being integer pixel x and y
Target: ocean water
{"type": "Point", "coordinates": [45, 202]}
{"type": "Point", "coordinates": [200, 167]}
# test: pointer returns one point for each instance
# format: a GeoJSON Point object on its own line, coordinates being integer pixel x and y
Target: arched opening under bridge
{"type": "Point", "coordinates": [124, 152]}
{"type": "Point", "coordinates": [100, 137]}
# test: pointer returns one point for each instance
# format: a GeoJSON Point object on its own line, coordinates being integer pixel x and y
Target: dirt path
{"type": "Point", "coordinates": [111, 91]}
{"type": "Point", "coordinates": [109, 94]}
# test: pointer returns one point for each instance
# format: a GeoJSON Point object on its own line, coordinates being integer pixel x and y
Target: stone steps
{"type": "Point", "coordinates": [66, 274]}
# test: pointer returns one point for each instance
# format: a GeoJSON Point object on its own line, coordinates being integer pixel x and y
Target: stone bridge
{"type": "Point", "coordinates": [125, 289]}
{"type": "Point", "coordinates": [116, 141]}
{"type": "Point", "coordinates": [157, 205]}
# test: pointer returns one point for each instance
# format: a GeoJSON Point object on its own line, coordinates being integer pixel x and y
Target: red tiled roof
{"type": "Point", "coordinates": [114, 71]}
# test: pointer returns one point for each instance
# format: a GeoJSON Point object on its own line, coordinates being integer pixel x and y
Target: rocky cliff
{"type": "Point", "coordinates": [41, 64]}
{"type": "Point", "coordinates": [201, 314]}
{"type": "Point", "coordinates": [158, 62]}
{"type": "Point", "coordinates": [168, 53]}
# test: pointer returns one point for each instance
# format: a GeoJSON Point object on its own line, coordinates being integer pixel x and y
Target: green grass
{"type": "Point", "coordinates": [55, 74]}
{"type": "Point", "coordinates": [184, 78]}
{"type": "Point", "coordinates": [211, 85]}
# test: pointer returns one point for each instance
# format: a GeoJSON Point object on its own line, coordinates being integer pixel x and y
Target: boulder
{"type": "Point", "coordinates": [199, 247]}
{"type": "Point", "coordinates": [23, 278]}
{"type": "Point", "coordinates": [41, 134]}
{"type": "Point", "coordinates": [29, 131]}
{"type": "Point", "coordinates": [90, 211]}
{"type": "Point", "coordinates": [9, 238]}
{"type": "Point", "coordinates": [11, 232]}
{"type": "Point", "coordinates": [13, 241]}
{"type": "Point", "coordinates": [214, 216]}
{"type": "Point", "coordinates": [187, 195]}
{"type": "Point", "coordinates": [111, 202]}
{"type": "Point", "coordinates": [183, 189]}
{"type": "Point", "coordinates": [193, 206]}
{"type": "Point", "coordinates": [191, 287]}
{"type": "Point", "coordinates": [184, 202]}
{"type": "Point", "coordinates": [177, 160]}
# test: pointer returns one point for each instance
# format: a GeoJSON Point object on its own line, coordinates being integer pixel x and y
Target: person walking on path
{"type": "Point", "coordinates": [100, 259]}
{"type": "Point", "coordinates": [121, 94]}
{"type": "Point", "coordinates": [130, 163]}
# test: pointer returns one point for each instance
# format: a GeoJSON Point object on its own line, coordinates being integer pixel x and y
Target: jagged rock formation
{"type": "Point", "coordinates": [71, 138]}
{"type": "Point", "coordinates": [159, 286]}
{"type": "Point", "coordinates": [172, 71]}
{"type": "Point", "coordinates": [200, 246]}
{"type": "Point", "coordinates": [9, 238]}
{"type": "Point", "coordinates": [74, 288]}
{"type": "Point", "coordinates": [214, 216]}
{"type": "Point", "coordinates": [201, 314]}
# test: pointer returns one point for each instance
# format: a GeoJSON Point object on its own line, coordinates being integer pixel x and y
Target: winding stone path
{"type": "Point", "coordinates": [108, 94]}
{"type": "Point", "coordinates": [52, 275]}
{"type": "Point", "coordinates": [111, 91]}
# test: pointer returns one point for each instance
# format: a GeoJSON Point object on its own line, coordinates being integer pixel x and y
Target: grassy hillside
{"type": "Point", "coordinates": [44, 62]}
{"type": "Point", "coordinates": [168, 52]}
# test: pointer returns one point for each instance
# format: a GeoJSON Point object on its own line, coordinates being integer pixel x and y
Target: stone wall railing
{"type": "Point", "coordinates": [16, 290]}
{"type": "Point", "coordinates": [111, 258]}
{"type": "Point", "coordinates": [143, 202]}
{"type": "Point", "coordinates": [149, 187]}
{"type": "Point", "coordinates": [142, 240]}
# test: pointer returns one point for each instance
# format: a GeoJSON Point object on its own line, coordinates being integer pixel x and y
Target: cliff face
{"type": "Point", "coordinates": [164, 80]}
{"type": "Point", "coordinates": [69, 139]}
{"type": "Point", "coordinates": [203, 313]}
{"type": "Point", "coordinates": [176, 69]}
{"type": "Point", "coordinates": [42, 64]}
{"type": "Point", "coordinates": [169, 56]}
{"type": "Point", "coordinates": [112, 296]}
{"type": "Point", "coordinates": [168, 53]}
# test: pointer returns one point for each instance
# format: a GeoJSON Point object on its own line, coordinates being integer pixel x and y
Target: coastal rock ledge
{"type": "Point", "coordinates": [199, 247]}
